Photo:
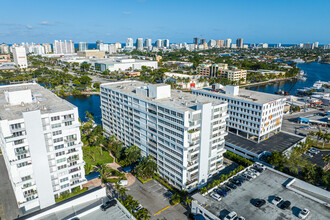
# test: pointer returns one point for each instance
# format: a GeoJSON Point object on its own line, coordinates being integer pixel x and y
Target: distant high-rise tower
{"type": "Point", "coordinates": [212, 43]}
{"type": "Point", "coordinates": [147, 43]}
{"type": "Point", "coordinates": [196, 41]}
{"type": "Point", "coordinates": [239, 43]}
{"type": "Point", "coordinates": [19, 54]}
{"type": "Point", "coordinates": [129, 42]}
{"type": "Point", "coordinates": [60, 47]}
{"type": "Point", "coordinates": [139, 44]}
{"type": "Point", "coordinates": [159, 43]}
{"type": "Point", "coordinates": [316, 44]}
{"type": "Point", "coordinates": [82, 46]}
{"type": "Point", "coordinates": [203, 41]}
{"type": "Point", "coordinates": [167, 43]}
{"type": "Point", "coordinates": [220, 43]}
{"type": "Point", "coordinates": [98, 42]}
{"type": "Point", "coordinates": [227, 43]}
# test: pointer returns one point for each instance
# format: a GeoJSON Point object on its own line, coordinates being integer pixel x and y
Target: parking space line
{"type": "Point", "coordinates": [162, 210]}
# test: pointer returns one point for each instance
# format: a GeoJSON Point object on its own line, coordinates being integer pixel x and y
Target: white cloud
{"type": "Point", "coordinates": [28, 26]}
{"type": "Point", "coordinates": [127, 12]}
{"type": "Point", "coordinates": [44, 23]}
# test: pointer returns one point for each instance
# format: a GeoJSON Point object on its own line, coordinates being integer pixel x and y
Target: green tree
{"type": "Point", "coordinates": [146, 168]}
{"type": "Point", "coordinates": [132, 154]}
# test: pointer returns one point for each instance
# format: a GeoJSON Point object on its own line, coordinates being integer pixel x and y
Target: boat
{"type": "Point", "coordinates": [318, 84]}
{"type": "Point", "coordinates": [302, 78]}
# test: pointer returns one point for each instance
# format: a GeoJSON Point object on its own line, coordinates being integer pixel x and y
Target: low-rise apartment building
{"type": "Point", "coordinates": [253, 115]}
{"type": "Point", "coordinates": [41, 144]}
{"type": "Point", "coordinates": [91, 54]}
{"type": "Point", "coordinates": [236, 75]}
{"type": "Point", "coordinates": [119, 64]}
{"type": "Point", "coordinates": [184, 133]}
{"type": "Point", "coordinates": [212, 70]}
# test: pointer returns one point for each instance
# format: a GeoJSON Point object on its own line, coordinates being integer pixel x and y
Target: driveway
{"type": "Point", "coordinates": [155, 198]}
{"type": "Point", "coordinates": [8, 205]}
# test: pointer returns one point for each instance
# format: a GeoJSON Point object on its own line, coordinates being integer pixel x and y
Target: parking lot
{"type": "Point", "coordinates": [155, 198]}
{"type": "Point", "coordinates": [266, 186]}
{"type": "Point", "coordinates": [8, 204]}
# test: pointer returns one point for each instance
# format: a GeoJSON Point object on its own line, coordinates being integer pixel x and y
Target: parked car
{"type": "Point", "coordinates": [259, 202]}
{"type": "Point", "coordinates": [108, 204]}
{"type": "Point", "coordinates": [215, 196]}
{"type": "Point", "coordinates": [230, 185]}
{"type": "Point", "coordinates": [231, 216]}
{"type": "Point", "coordinates": [285, 204]}
{"type": "Point", "coordinates": [245, 176]}
{"type": "Point", "coordinates": [250, 174]}
{"type": "Point", "coordinates": [225, 188]}
{"type": "Point", "coordinates": [221, 192]}
{"type": "Point", "coordinates": [303, 213]}
{"type": "Point", "coordinates": [277, 200]}
{"type": "Point", "coordinates": [254, 171]}
{"type": "Point", "coordinates": [241, 218]}
{"type": "Point", "coordinates": [236, 182]}
{"type": "Point", "coordinates": [239, 178]}
{"type": "Point", "coordinates": [260, 170]}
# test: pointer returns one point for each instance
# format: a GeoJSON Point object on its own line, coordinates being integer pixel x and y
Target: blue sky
{"type": "Point", "coordinates": [272, 21]}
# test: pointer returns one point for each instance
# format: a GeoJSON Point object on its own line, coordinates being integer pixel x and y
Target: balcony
{"type": "Point", "coordinates": [67, 120]}
{"type": "Point", "coordinates": [73, 158]}
{"type": "Point", "coordinates": [20, 152]}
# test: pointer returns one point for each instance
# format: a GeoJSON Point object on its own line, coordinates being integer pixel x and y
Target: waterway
{"type": "Point", "coordinates": [85, 103]}
{"type": "Point", "coordinates": [315, 71]}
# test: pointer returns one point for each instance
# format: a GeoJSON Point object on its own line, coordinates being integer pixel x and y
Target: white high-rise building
{"type": "Point", "coordinates": [4, 48]}
{"type": "Point", "coordinates": [326, 46]}
{"type": "Point", "coordinates": [212, 43]}
{"type": "Point", "coordinates": [316, 44]}
{"type": "Point", "coordinates": [308, 46]}
{"type": "Point", "coordinates": [148, 44]}
{"type": "Point", "coordinates": [19, 54]}
{"type": "Point", "coordinates": [63, 47]}
{"type": "Point", "coordinates": [38, 49]}
{"type": "Point", "coordinates": [41, 144]}
{"type": "Point", "coordinates": [182, 132]}
{"type": "Point", "coordinates": [48, 48]}
{"type": "Point", "coordinates": [83, 46]}
{"type": "Point", "coordinates": [228, 43]}
{"type": "Point", "coordinates": [118, 45]}
{"type": "Point", "coordinates": [103, 47]}
{"type": "Point", "coordinates": [129, 42]}
{"type": "Point", "coordinates": [139, 44]}
{"type": "Point", "coordinates": [159, 43]}
{"type": "Point", "coordinates": [112, 49]}
{"type": "Point", "coordinates": [166, 43]}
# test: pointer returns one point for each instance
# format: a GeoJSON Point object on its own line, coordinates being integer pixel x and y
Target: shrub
{"type": "Point", "coordinates": [238, 159]}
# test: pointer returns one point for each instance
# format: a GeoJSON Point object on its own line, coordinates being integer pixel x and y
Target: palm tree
{"type": "Point", "coordinates": [187, 201]}
{"type": "Point", "coordinates": [319, 135]}
{"type": "Point", "coordinates": [122, 191]}
{"type": "Point", "coordinates": [143, 214]}
{"type": "Point", "coordinates": [132, 153]}
{"type": "Point", "coordinates": [203, 190]}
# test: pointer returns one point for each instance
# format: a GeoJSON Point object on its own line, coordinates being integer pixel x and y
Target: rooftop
{"type": "Point", "coordinates": [278, 142]}
{"type": "Point", "coordinates": [42, 99]}
{"type": "Point", "coordinates": [266, 186]}
{"type": "Point", "coordinates": [178, 100]}
{"type": "Point", "coordinates": [120, 60]}
{"type": "Point", "coordinates": [246, 95]}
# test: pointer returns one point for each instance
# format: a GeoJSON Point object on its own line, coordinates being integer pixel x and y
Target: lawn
{"type": "Point", "coordinates": [90, 152]}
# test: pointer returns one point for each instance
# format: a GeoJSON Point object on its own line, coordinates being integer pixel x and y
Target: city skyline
{"type": "Point", "coordinates": [144, 19]}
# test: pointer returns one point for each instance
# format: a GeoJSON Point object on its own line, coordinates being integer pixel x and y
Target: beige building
{"type": "Point", "coordinates": [48, 48]}
{"type": "Point", "coordinates": [211, 70]}
{"type": "Point", "coordinates": [4, 58]}
{"type": "Point", "coordinates": [91, 54]}
{"type": "Point", "coordinates": [236, 75]}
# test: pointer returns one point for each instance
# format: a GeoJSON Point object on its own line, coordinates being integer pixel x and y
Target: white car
{"type": "Point", "coordinates": [251, 174]}
{"type": "Point", "coordinates": [303, 213]}
{"type": "Point", "coordinates": [231, 216]}
{"type": "Point", "coordinates": [277, 200]}
{"type": "Point", "coordinates": [254, 171]}
{"type": "Point", "coordinates": [241, 218]}
{"type": "Point", "coordinates": [215, 196]}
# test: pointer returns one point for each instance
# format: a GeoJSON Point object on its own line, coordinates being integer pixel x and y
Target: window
{"type": "Point", "coordinates": [60, 153]}
{"type": "Point", "coordinates": [56, 140]}
{"type": "Point", "coordinates": [57, 147]}
{"type": "Point", "coordinates": [61, 167]}
{"type": "Point", "coordinates": [65, 186]}
{"type": "Point", "coordinates": [22, 164]}
{"type": "Point", "coordinates": [61, 160]}
{"type": "Point", "coordinates": [26, 178]}
{"type": "Point", "coordinates": [64, 179]}
{"type": "Point", "coordinates": [18, 142]}
{"type": "Point", "coordinates": [57, 133]}
{"type": "Point", "coordinates": [58, 125]}
{"type": "Point", "coordinates": [68, 123]}
{"type": "Point", "coordinates": [55, 118]}
{"type": "Point", "coordinates": [15, 126]}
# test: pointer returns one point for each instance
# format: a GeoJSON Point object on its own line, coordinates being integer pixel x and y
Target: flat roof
{"type": "Point", "coordinates": [318, 159]}
{"type": "Point", "coordinates": [266, 186]}
{"type": "Point", "coordinates": [43, 100]}
{"type": "Point", "coordinates": [179, 100]}
{"type": "Point", "coordinates": [278, 142]}
{"type": "Point", "coordinates": [246, 95]}
{"type": "Point", "coordinates": [118, 61]}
